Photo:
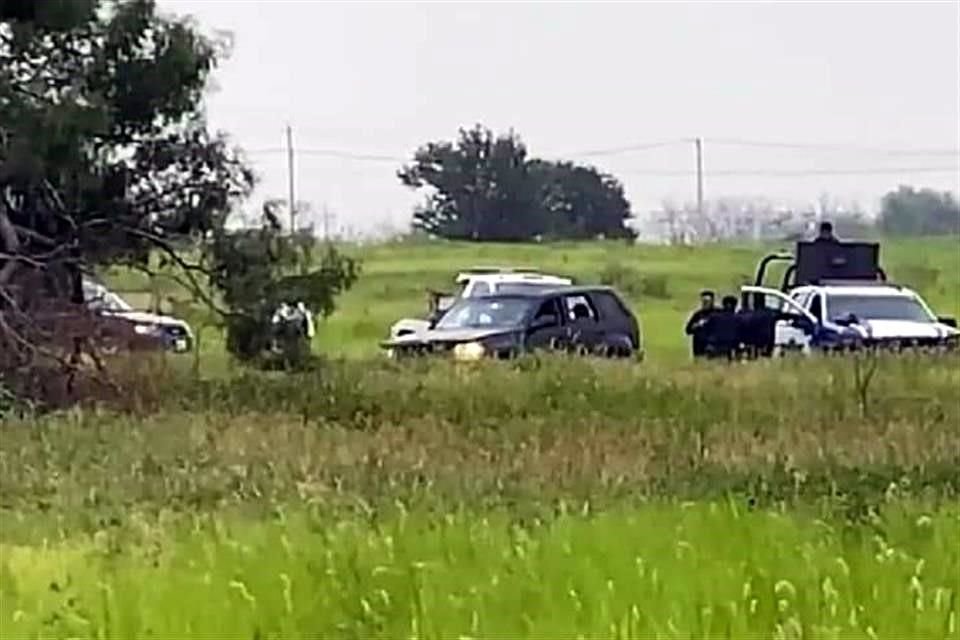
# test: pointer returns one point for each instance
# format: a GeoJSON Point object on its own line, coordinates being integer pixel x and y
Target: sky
{"type": "Point", "coordinates": [866, 96]}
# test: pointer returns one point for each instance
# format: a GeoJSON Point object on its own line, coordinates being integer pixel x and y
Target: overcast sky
{"type": "Point", "coordinates": [381, 78]}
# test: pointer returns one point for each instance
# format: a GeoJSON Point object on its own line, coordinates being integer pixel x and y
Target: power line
{"type": "Point", "coordinates": [834, 147]}
{"type": "Point", "coordinates": [627, 149]}
{"type": "Point", "coordinates": [333, 153]}
{"type": "Point", "coordinates": [800, 173]}
{"type": "Point", "coordinates": [746, 172]}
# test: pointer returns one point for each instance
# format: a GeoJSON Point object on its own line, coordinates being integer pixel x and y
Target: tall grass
{"type": "Point", "coordinates": [531, 434]}
{"type": "Point", "coordinates": [543, 497]}
{"type": "Point", "coordinates": [708, 571]}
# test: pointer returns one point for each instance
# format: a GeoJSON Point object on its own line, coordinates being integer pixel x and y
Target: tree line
{"type": "Point", "coordinates": [487, 187]}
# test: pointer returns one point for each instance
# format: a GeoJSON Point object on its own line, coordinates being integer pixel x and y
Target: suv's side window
{"type": "Point", "coordinates": [579, 309]}
{"type": "Point", "coordinates": [550, 308]}
{"type": "Point", "coordinates": [816, 306]}
{"type": "Point", "coordinates": [610, 307]}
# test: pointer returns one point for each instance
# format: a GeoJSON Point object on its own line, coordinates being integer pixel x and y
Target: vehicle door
{"type": "Point", "coordinates": [619, 328]}
{"type": "Point", "coordinates": [546, 329]}
{"type": "Point", "coordinates": [793, 332]}
{"type": "Point", "coordinates": [584, 332]}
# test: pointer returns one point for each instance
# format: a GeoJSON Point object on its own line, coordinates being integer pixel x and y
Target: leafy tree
{"type": "Point", "coordinates": [486, 187]}
{"type": "Point", "coordinates": [258, 269]}
{"type": "Point", "coordinates": [911, 212]}
{"type": "Point", "coordinates": [482, 187]}
{"type": "Point", "coordinates": [106, 158]}
{"type": "Point", "coordinates": [580, 202]}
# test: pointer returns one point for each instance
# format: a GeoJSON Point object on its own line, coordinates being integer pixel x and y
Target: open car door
{"type": "Point", "coordinates": [795, 329]}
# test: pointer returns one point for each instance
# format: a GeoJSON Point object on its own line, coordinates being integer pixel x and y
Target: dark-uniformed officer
{"type": "Point", "coordinates": [723, 329]}
{"type": "Point", "coordinates": [826, 233]}
{"type": "Point", "coordinates": [697, 324]}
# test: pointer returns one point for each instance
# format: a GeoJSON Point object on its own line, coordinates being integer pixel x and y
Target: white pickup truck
{"type": "Point", "coordinates": [482, 281]}
{"type": "Point", "coordinates": [849, 315]}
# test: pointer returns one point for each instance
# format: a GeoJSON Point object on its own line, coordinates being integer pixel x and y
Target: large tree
{"type": "Point", "coordinates": [580, 202]}
{"type": "Point", "coordinates": [481, 187]}
{"type": "Point", "coordinates": [486, 187]}
{"type": "Point", "coordinates": [908, 211]}
{"type": "Point", "coordinates": [105, 154]}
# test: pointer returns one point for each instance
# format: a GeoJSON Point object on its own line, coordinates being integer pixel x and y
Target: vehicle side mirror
{"type": "Point", "coordinates": [542, 322]}
{"type": "Point", "coordinates": [950, 321]}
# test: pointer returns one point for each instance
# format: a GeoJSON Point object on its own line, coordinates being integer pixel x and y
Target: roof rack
{"type": "Point", "coordinates": [492, 270]}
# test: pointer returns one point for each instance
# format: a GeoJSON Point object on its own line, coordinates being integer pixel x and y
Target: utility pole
{"type": "Point", "coordinates": [698, 142]}
{"type": "Point", "coordinates": [327, 217]}
{"type": "Point", "coordinates": [292, 195]}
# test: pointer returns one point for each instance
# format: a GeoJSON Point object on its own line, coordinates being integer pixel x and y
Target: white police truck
{"type": "Point", "coordinates": [833, 316]}
{"type": "Point", "coordinates": [835, 296]}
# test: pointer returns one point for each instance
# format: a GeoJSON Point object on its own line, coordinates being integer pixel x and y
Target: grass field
{"type": "Point", "coordinates": [661, 283]}
{"type": "Point", "coordinates": [714, 571]}
{"type": "Point", "coordinates": [546, 497]}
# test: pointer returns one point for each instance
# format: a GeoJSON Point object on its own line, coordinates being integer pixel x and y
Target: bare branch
{"type": "Point", "coordinates": [8, 234]}
{"type": "Point", "coordinates": [188, 268]}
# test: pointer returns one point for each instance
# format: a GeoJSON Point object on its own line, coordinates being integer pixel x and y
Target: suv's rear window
{"type": "Point", "coordinates": [610, 306]}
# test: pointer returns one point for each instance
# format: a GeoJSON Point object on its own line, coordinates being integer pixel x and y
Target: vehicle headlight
{"type": "Point", "coordinates": [144, 329]}
{"type": "Point", "coordinates": [469, 351]}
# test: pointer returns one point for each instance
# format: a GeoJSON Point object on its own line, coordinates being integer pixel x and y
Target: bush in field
{"type": "Point", "coordinates": [655, 286]}
{"type": "Point", "coordinates": [630, 282]}
{"type": "Point", "coordinates": [259, 269]}
{"type": "Point", "coordinates": [620, 276]}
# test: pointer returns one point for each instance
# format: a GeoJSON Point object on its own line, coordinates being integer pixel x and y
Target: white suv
{"type": "Point", "coordinates": [483, 281]}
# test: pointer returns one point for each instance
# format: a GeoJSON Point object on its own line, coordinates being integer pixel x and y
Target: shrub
{"type": "Point", "coordinates": [655, 286]}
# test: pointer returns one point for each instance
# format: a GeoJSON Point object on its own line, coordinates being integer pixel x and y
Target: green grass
{"type": "Point", "coordinates": [708, 571]}
{"type": "Point", "coordinates": [661, 283]}
{"type": "Point", "coordinates": [524, 436]}
{"type": "Point", "coordinates": [543, 497]}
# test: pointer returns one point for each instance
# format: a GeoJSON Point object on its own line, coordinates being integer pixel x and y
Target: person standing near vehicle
{"type": "Point", "coordinates": [724, 329]}
{"type": "Point", "coordinates": [826, 233]}
{"type": "Point", "coordinates": [697, 327]}
{"type": "Point", "coordinates": [293, 330]}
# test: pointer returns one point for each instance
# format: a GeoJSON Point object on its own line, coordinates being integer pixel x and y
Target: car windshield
{"type": "Point", "coordinates": [485, 312]}
{"type": "Point", "coordinates": [524, 287]}
{"type": "Point", "coordinates": [842, 307]}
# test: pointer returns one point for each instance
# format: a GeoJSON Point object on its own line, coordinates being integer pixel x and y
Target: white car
{"type": "Point", "coordinates": [881, 314]}
{"type": "Point", "coordinates": [483, 281]}
{"type": "Point", "coordinates": [173, 332]}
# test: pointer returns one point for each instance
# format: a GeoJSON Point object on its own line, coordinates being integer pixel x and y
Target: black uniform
{"type": "Point", "coordinates": [697, 327]}
{"type": "Point", "coordinates": [723, 329]}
